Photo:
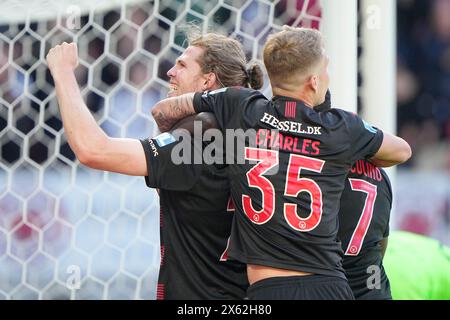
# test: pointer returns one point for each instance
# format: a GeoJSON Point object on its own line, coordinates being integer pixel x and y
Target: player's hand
{"type": "Point", "coordinates": [62, 58]}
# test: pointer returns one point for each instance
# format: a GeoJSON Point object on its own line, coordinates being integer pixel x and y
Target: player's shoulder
{"type": "Point", "coordinates": [234, 94]}
{"type": "Point", "coordinates": [341, 114]}
{"type": "Point", "coordinates": [333, 118]}
{"type": "Point", "coordinates": [246, 93]}
{"type": "Point", "coordinates": [236, 90]}
{"type": "Point", "coordinates": [351, 120]}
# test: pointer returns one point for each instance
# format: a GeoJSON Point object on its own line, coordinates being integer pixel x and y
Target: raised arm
{"type": "Point", "coordinates": [88, 141]}
{"type": "Point", "coordinates": [169, 111]}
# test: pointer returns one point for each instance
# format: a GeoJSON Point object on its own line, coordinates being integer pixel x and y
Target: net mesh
{"type": "Point", "coordinates": [67, 231]}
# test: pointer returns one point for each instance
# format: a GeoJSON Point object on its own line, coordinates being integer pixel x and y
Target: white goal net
{"type": "Point", "coordinates": [67, 231]}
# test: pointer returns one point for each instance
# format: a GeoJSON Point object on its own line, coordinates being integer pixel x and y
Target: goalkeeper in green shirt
{"type": "Point", "coordinates": [418, 267]}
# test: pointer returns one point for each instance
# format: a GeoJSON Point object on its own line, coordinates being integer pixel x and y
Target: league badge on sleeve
{"type": "Point", "coordinates": [369, 127]}
{"type": "Point", "coordinates": [164, 139]}
{"type": "Point", "coordinates": [206, 93]}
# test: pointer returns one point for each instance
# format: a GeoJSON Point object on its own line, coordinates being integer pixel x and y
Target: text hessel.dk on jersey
{"type": "Point", "coordinates": [289, 126]}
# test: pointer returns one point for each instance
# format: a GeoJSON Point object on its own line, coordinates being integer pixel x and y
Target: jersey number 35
{"type": "Point", "coordinates": [267, 160]}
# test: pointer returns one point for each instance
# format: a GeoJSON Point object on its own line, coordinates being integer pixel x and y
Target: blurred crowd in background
{"type": "Point", "coordinates": [423, 117]}
{"type": "Point", "coordinates": [423, 81]}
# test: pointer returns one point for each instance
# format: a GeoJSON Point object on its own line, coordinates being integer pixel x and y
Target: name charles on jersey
{"type": "Point", "coordinates": [229, 149]}
{"type": "Point", "coordinates": [274, 139]}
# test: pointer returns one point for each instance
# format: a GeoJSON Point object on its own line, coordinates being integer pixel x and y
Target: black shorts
{"type": "Point", "coordinates": [313, 287]}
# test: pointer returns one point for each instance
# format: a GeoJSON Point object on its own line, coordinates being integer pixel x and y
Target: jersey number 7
{"type": "Point", "coordinates": [268, 159]}
{"type": "Point", "coordinates": [357, 239]}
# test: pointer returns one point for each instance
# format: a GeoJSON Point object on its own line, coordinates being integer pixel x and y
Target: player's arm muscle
{"type": "Point", "coordinates": [169, 111]}
{"type": "Point", "coordinates": [88, 141]}
{"type": "Point", "coordinates": [394, 150]}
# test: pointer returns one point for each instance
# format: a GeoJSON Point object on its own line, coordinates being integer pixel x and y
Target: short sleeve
{"type": "Point", "coordinates": [225, 103]}
{"type": "Point", "coordinates": [165, 169]}
{"type": "Point", "coordinates": [365, 139]}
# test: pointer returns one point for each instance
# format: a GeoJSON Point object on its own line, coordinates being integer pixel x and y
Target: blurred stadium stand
{"type": "Point", "coordinates": [423, 95]}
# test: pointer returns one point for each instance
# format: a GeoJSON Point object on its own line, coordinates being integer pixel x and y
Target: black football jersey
{"type": "Point", "coordinates": [292, 171]}
{"type": "Point", "coordinates": [195, 225]}
{"type": "Point", "coordinates": [364, 221]}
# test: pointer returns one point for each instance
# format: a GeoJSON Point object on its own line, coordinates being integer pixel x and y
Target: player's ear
{"type": "Point", "coordinates": [314, 83]}
{"type": "Point", "coordinates": [210, 81]}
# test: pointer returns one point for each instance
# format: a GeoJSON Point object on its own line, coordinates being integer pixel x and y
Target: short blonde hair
{"type": "Point", "coordinates": [291, 53]}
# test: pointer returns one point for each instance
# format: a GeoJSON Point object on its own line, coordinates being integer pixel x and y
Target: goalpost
{"type": "Point", "coordinates": [339, 26]}
{"type": "Point", "coordinates": [378, 67]}
{"type": "Point", "coordinates": [70, 232]}
{"type": "Point", "coordinates": [376, 64]}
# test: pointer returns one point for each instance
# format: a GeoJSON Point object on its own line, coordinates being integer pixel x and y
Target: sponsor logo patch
{"type": "Point", "coordinates": [206, 93]}
{"type": "Point", "coordinates": [369, 127]}
{"type": "Point", "coordinates": [164, 139]}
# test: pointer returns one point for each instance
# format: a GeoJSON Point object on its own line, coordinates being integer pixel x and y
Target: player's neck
{"type": "Point", "coordinates": [305, 98]}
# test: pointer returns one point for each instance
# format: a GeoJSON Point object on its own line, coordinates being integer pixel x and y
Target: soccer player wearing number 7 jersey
{"type": "Point", "coordinates": [287, 192]}
{"type": "Point", "coordinates": [364, 228]}
{"type": "Point", "coordinates": [364, 216]}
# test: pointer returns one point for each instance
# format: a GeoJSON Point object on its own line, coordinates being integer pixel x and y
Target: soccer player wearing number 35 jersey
{"type": "Point", "coordinates": [287, 192]}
